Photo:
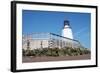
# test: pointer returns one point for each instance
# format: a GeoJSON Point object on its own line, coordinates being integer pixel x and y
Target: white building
{"type": "Point", "coordinates": [67, 31]}
{"type": "Point", "coordinates": [50, 40]}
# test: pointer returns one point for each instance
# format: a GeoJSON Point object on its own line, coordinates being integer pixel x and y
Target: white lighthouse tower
{"type": "Point", "coordinates": [67, 31]}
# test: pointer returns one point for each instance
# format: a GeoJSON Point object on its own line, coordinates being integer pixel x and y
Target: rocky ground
{"type": "Point", "coordinates": [60, 58]}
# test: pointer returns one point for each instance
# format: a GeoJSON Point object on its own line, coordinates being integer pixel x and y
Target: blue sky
{"type": "Point", "coordinates": [50, 21]}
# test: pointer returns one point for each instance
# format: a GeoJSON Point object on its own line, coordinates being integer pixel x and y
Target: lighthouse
{"type": "Point", "coordinates": [67, 31]}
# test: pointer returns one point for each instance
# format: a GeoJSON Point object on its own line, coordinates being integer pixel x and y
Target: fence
{"type": "Point", "coordinates": [48, 40]}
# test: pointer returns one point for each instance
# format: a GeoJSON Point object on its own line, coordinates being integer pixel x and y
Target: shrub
{"type": "Point", "coordinates": [29, 53]}
{"type": "Point", "coordinates": [66, 51]}
{"type": "Point", "coordinates": [54, 52]}
{"type": "Point", "coordinates": [23, 52]}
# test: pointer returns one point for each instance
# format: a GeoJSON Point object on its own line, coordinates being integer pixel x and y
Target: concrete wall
{"type": "Point", "coordinates": [36, 44]}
